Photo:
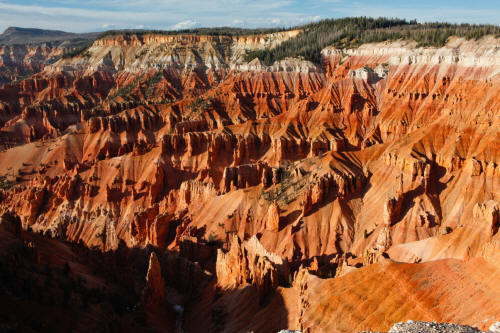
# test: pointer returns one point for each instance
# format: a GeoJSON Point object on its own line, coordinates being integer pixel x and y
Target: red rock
{"type": "Point", "coordinates": [273, 218]}
{"type": "Point", "coordinates": [243, 264]}
{"type": "Point", "coordinates": [153, 295]}
{"type": "Point", "coordinates": [10, 223]}
{"type": "Point", "coordinates": [488, 212]}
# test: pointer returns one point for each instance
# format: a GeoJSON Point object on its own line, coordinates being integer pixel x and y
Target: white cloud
{"type": "Point", "coordinates": [310, 19]}
{"type": "Point", "coordinates": [184, 25]}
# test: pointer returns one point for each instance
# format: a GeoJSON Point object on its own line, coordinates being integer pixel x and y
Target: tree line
{"type": "Point", "coordinates": [352, 32]}
{"type": "Point", "coordinates": [217, 31]}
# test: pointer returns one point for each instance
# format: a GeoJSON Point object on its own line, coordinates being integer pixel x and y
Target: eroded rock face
{"type": "Point", "coordinates": [273, 218]}
{"type": "Point", "coordinates": [18, 61]}
{"type": "Point", "coordinates": [227, 132]}
{"type": "Point", "coordinates": [392, 209]}
{"type": "Point", "coordinates": [247, 263]}
{"type": "Point", "coordinates": [488, 212]}
{"type": "Point", "coordinates": [10, 223]}
{"type": "Point", "coordinates": [379, 152]}
{"type": "Point", "coordinates": [384, 241]}
{"type": "Point", "coordinates": [154, 292]}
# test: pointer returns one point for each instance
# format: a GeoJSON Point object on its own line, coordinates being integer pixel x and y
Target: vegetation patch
{"type": "Point", "coordinates": [82, 51]}
{"type": "Point", "coordinates": [126, 90]}
{"type": "Point", "coordinates": [197, 107]}
{"type": "Point", "coordinates": [5, 183]}
{"type": "Point", "coordinates": [288, 189]}
{"type": "Point", "coordinates": [152, 82]}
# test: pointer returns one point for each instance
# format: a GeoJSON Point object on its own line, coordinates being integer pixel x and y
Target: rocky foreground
{"type": "Point", "coordinates": [433, 327]}
{"type": "Point", "coordinates": [427, 327]}
{"type": "Point", "coordinates": [341, 196]}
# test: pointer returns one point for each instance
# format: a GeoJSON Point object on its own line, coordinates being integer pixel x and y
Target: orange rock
{"type": "Point", "coordinates": [488, 212]}
{"type": "Point", "coordinates": [273, 218]}
{"type": "Point", "coordinates": [247, 263]}
{"type": "Point", "coordinates": [153, 295]}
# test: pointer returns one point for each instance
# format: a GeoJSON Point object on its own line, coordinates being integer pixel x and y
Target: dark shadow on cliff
{"type": "Point", "coordinates": [48, 285]}
{"type": "Point", "coordinates": [237, 310]}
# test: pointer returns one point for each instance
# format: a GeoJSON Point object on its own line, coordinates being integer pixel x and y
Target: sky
{"type": "Point", "coordinates": [99, 15]}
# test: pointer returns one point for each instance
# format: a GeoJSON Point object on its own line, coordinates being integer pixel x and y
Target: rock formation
{"type": "Point", "coordinates": [392, 209]}
{"type": "Point", "coordinates": [10, 223]}
{"type": "Point", "coordinates": [248, 263]}
{"type": "Point", "coordinates": [384, 241]}
{"type": "Point", "coordinates": [154, 292]}
{"type": "Point", "coordinates": [273, 218]}
{"type": "Point", "coordinates": [488, 212]}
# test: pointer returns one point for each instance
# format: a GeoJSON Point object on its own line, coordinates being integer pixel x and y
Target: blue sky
{"type": "Point", "coordinates": [98, 15]}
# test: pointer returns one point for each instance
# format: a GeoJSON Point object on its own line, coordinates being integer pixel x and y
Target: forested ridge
{"type": "Point", "coordinates": [341, 33]}
{"type": "Point", "coordinates": [353, 32]}
{"type": "Point", "coordinates": [216, 31]}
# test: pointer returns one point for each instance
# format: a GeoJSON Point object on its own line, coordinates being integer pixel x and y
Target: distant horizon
{"type": "Point", "coordinates": [98, 16]}
{"type": "Point", "coordinates": [229, 27]}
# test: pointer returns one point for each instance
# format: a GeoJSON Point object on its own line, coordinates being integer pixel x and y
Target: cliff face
{"type": "Point", "coordinates": [156, 52]}
{"type": "Point", "coordinates": [20, 61]}
{"type": "Point", "coordinates": [386, 152]}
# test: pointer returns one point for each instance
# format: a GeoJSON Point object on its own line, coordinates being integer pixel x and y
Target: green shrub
{"type": "Point", "coordinates": [152, 82]}
{"type": "Point", "coordinates": [5, 184]}
{"type": "Point", "coordinates": [82, 50]}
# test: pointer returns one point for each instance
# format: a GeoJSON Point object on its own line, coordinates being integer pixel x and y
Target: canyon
{"type": "Point", "coordinates": [24, 52]}
{"type": "Point", "coordinates": [340, 196]}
